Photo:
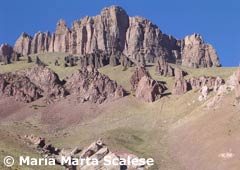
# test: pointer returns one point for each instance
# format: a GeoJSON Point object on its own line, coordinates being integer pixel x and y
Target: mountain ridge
{"type": "Point", "coordinates": [114, 31]}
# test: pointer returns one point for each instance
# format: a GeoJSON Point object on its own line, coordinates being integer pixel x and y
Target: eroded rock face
{"type": "Point", "coordinates": [164, 69]}
{"type": "Point", "coordinates": [61, 38]}
{"type": "Point", "coordinates": [20, 87]}
{"type": "Point", "coordinates": [181, 85]}
{"type": "Point", "coordinates": [204, 84]}
{"type": "Point", "coordinates": [6, 53]}
{"type": "Point", "coordinates": [113, 30]}
{"type": "Point", "coordinates": [137, 75]}
{"type": "Point", "coordinates": [145, 87]}
{"type": "Point", "coordinates": [40, 42]}
{"type": "Point", "coordinates": [213, 83]}
{"type": "Point", "coordinates": [47, 80]}
{"type": "Point", "coordinates": [195, 53]}
{"type": "Point", "coordinates": [90, 85]}
{"type": "Point", "coordinates": [23, 44]}
{"type": "Point", "coordinates": [97, 59]}
{"type": "Point", "coordinates": [149, 90]}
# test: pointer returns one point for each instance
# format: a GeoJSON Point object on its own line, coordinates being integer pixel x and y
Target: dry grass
{"type": "Point", "coordinates": [125, 125]}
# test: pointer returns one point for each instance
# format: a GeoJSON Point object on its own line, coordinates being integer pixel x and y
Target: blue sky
{"type": "Point", "coordinates": [217, 20]}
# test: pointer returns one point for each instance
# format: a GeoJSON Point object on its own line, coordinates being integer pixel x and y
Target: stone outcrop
{"type": "Point", "coordinates": [149, 90]}
{"type": "Point", "coordinates": [164, 69]}
{"type": "Point", "coordinates": [96, 151]}
{"type": "Point", "coordinates": [204, 93]}
{"type": "Point", "coordinates": [114, 31]}
{"type": "Point", "coordinates": [20, 87]}
{"type": "Point", "coordinates": [213, 83]}
{"type": "Point", "coordinates": [204, 84]}
{"type": "Point", "coordinates": [195, 53]}
{"type": "Point", "coordinates": [97, 59]}
{"type": "Point", "coordinates": [23, 44]}
{"type": "Point", "coordinates": [90, 85]}
{"type": "Point", "coordinates": [181, 85]}
{"type": "Point", "coordinates": [31, 84]}
{"type": "Point", "coordinates": [137, 75]}
{"type": "Point", "coordinates": [40, 81]}
{"type": "Point", "coordinates": [40, 42]}
{"type": "Point", "coordinates": [144, 86]}
{"type": "Point", "coordinates": [26, 44]}
{"type": "Point", "coordinates": [61, 38]}
{"type": "Point", "coordinates": [6, 53]}
{"type": "Point", "coordinates": [47, 80]}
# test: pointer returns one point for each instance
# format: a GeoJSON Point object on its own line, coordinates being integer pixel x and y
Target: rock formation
{"type": "Point", "coordinates": [23, 44]}
{"type": "Point", "coordinates": [145, 87]}
{"type": "Point", "coordinates": [90, 85]}
{"type": "Point", "coordinates": [114, 31]}
{"type": "Point", "coordinates": [7, 54]}
{"type": "Point", "coordinates": [149, 90]}
{"type": "Point", "coordinates": [181, 85]}
{"type": "Point", "coordinates": [137, 75]}
{"type": "Point", "coordinates": [97, 59]}
{"type": "Point", "coordinates": [61, 38]}
{"type": "Point", "coordinates": [40, 42]}
{"type": "Point", "coordinates": [204, 93]}
{"type": "Point", "coordinates": [31, 84]}
{"type": "Point", "coordinates": [20, 87]}
{"type": "Point", "coordinates": [163, 68]}
{"type": "Point", "coordinates": [47, 80]}
{"type": "Point", "coordinates": [195, 53]}
{"type": "Point", "coordinates": [96, 151]}
{"type": "Point", "coordinates": [203, 83]}
{"type": "Point", "coordinates": [213, 83]}
{"type": "Point", "coordinates": [40, 81]}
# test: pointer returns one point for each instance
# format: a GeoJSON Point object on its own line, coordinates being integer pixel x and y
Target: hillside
{"type": "Point", "coordinates": [179, 132]}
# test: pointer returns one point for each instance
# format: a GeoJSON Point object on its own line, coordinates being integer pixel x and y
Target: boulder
{"type": "Point", "coordinates": [180, 86]}
{"type": "Point", "coordinates": [149, 90]}
{"type": "Point", "coordinates": [137, 75]}
{"type": "Point", "coordinates": [204, 93]}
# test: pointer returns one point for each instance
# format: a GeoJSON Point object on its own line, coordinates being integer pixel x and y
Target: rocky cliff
{"type": "Point", "coordinates": [7, 54]}
{"type": "Point", "coordinates": [114, 31]}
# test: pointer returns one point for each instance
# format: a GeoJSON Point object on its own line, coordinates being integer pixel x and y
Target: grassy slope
{"type": "Point", "coordinates": [127, 124]}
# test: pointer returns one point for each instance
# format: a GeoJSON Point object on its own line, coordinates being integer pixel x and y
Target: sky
{"type": "Point", "coordinates": [218, 21]}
